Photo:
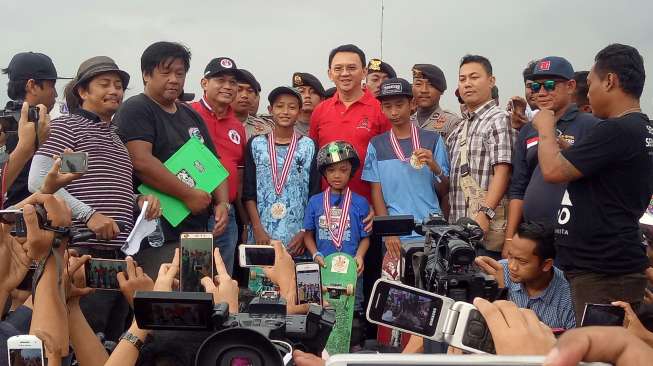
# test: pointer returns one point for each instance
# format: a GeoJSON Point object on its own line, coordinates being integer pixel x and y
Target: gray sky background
{"type": "Point", "coordinates": [273, 39]}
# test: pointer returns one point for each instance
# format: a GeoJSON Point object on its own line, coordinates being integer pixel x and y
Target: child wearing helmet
{"type": "Point", "coordinates": [343, 229]}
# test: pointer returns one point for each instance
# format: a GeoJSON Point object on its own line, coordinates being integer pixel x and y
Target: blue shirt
{"type": "Point", "coordinates": [314, 220]}
{"type": "Point", "coordinates": [553, 306]}
{"type": "Point", "coordinates": [406, 190]}
{"type": "Point", "coordinates": [303, 179]}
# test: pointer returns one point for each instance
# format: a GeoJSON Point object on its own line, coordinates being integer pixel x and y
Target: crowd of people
{"type": "Point", "coordinates": [557, 180]}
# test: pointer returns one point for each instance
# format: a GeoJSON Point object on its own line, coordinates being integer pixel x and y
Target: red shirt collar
{"type": "Point", "coordinates": [205, 105]}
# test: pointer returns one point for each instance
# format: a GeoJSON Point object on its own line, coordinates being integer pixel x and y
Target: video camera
{"type": "Point", "coordinates": [444, 262]}
{"type": "Point", "coordinates": [265, 335]}
{"type": "Point", "coordinates": [10, 116]}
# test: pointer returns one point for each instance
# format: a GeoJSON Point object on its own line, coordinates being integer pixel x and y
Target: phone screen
{"type": "Point", "coordinates": [102, 273]}
{"type": "Point", "coordinates": [182, 315]}
{"type": "Point", "coordinates": [26, 356]}
{"type": "Point", "coordinates": [309, 286]}
{"type": "Point", "coordinates": [196, 260]}
{"type": "Point", "coordinates": [602, 314]}
{"type": "Point", "coordinates": [74, 162]}
{"type": "Point", "coordinates": [399, 307]}
{"type": "Point", "coordinates": [259, 255]}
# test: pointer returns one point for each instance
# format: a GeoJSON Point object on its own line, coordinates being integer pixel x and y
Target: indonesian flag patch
{"type": "Point", "coordinates": [532, 142]}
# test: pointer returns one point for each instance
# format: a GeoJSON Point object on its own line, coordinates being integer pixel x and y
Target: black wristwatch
{"type": "Point", "coordinates": [487, 211]}
{"type": "Point", "coordinates": [133, 340]}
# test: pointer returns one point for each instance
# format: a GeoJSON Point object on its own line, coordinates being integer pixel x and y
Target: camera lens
{"type": "Point", "coordinates": [241, 361]}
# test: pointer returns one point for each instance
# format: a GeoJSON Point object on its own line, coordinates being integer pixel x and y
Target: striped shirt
{"type": "Point", "coordinates": [553, 306]}
{"type": "Point", "coordinates": [489, 142]}
{"type": "Point", "coordinates": [107, 185]}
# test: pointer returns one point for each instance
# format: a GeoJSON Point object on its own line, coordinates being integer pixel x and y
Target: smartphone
{"type": "Point", "coordinates": [25, 350]}
{"type": "Point", "coordinates": [102, 274]}
{"type": "Point", "coordinates": [9, 216]}
{"type": "Point", "coordinates": [431, 316]}
{"type": "Point", "coordinates": [408, 309]}
{"type": "Point", "coordinates": [602, 314]}
{"type": "Point", "coordinates": [309, 283]}
{"type": "Point", "coordinates": [196, 260]}
{"type": "Point", "coordinates": [256, 255]}
{"type": "Point", "coordinates": [74, 162]}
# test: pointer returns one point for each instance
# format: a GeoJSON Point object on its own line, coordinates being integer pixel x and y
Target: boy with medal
{"type": "Point", "coordinates": [407, 167]}
{"type": "Point", "coordinates": [280, 175]}
{"type": "Point", "coordinates": [334, 218]}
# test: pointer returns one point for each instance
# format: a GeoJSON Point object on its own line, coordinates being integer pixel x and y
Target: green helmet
{"type": "Point", "coordinates": [335, 152]}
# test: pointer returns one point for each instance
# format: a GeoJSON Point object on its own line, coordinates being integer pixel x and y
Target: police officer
{"type": "Point", "coordinates": [428, 85]}
{"type": "Point", "coordinates": [312, 93]}
{"type": "Point", "coordinates": [377, 72]}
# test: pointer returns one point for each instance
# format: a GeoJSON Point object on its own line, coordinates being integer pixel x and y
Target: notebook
{"type": "Point", "coordinates": [195, 165]}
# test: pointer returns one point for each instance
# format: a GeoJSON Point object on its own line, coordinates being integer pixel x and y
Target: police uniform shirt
{"type": "Point", "coordinates": [441, 121]}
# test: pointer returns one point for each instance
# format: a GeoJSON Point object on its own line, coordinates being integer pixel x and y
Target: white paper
{"type": "Point", "coordinates": [142, 228]}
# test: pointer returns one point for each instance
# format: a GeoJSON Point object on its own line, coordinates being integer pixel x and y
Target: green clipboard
{"type": "Point", "coordinates": [195, 165]}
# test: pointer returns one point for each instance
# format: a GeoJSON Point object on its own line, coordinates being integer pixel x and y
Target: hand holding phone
{"type": "Point", "coordinates": [102, 274]}
{"type": "Point", "coordinates": [196, 251]}
{"type": "Point", "coordinates": [602, 314]}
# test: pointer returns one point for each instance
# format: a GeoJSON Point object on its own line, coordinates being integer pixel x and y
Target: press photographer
{"type": "Point", "coordinates": [32, 78]}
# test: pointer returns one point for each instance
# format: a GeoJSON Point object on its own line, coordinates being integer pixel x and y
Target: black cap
{"type": "Point", "coordinates": [376, 65]}
{"type": "Point", "coordinates": [31, 65]}
{"type": "Point", "coordinates": [99, 65]}
{"type": "Point", "coordinates": [330, 92]}
{"type": "Point", "coordinates": [248, 78]}
{"type": "Point", "coordinates": [553, 66]}
{"type": "Point", "coordinates": [432, 73]}
{"type": "Point", "coordinates": [284, 90]}
{"type": "Point", "coordinates": [221, 65]}
{"type": "Point", "coordinates": [395, 87]}
{"type": "Point", "coordinates": [306, 79]}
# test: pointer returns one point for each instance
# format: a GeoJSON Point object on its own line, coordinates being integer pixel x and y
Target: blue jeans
{"type": "Point", "coordinates": [227, 241]}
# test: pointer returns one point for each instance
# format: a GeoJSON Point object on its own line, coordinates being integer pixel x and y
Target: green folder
{"type": "Point", "coordinates": [195, 165]}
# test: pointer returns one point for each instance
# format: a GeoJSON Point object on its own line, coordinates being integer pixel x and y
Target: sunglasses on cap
{"type": "Point", "coordinates": [549, 85]}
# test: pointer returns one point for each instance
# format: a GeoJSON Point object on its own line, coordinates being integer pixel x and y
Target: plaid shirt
{"type": "Point", "coordinates": [489, 142]}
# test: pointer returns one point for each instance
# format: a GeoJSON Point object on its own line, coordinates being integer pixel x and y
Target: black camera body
{"type": "Point", "coordinates": [444, 262]}
{"type": "Point", "coordinates": [10, 116]}
{"type": "Point", "coordinates": [257, 336]}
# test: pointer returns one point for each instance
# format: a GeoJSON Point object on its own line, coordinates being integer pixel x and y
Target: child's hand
{"type": "Point", "coordinates": [359, 264]}
{"type": "Point", "coordinates": [261, 236]}
{"type": "Point", "coordinates": [319, 260]}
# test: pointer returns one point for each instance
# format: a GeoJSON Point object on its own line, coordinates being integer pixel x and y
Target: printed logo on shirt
{"type": "Point", "coordinates": [234, 136]}
{"type": "Point", "coordinates": [533, 141]}
{"type": "Point", "coordinates": [183, 176]}
{"type": "Point", "coordinates": [364, 123]}
{"type": "Point", "coordinates": [568, 138]}
{"type": "Point", "coordinates": [564, 214]}
{"type": "Point", "coordinates": [195, 132]}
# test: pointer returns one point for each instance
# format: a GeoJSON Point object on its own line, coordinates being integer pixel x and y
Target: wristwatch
{"type": "Point", "coordinates": [133, 340]}
{"type": "Point", "coordinates": [487, 211]}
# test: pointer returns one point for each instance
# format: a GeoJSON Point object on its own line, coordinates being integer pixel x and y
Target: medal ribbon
{"type": "Point", "coordinates": [395, 144]}
{"type": "Point", "coordinates": [337, 235]}
{"type": "Point", "coordinates": [279, 182]}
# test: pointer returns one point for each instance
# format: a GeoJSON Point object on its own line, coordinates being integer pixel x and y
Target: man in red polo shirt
{"type": "Point", "coordinates": [353, 114]}
{"type": "Point", "coordinates": [228, 135]}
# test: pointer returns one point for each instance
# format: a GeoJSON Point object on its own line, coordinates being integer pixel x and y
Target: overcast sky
{"type": "Point", "coordinates": [273, 39]}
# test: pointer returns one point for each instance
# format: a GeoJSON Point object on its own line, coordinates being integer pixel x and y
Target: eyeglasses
{"type": "Point", "coordinates": [549, 85]}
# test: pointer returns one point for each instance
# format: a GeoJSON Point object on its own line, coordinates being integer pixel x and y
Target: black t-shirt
{"type": "Point", "coordinates": [597, 227]}
{"type": "Point", "coordinates": [542, 199]}
{"type": "Point", "coordinates": [140, 118]}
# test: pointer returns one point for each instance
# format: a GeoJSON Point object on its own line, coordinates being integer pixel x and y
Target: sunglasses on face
{"type": "Point", "coordinates": [549, 85]}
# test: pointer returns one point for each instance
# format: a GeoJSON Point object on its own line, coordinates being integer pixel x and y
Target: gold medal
{"type": "Point", "coordinates": [278, 211]}
{"type": "Point", "coordinates": [415, 163]}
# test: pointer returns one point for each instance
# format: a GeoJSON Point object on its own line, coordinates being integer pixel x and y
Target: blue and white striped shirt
{"type": "Point", "coordinates": [553, 306]}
